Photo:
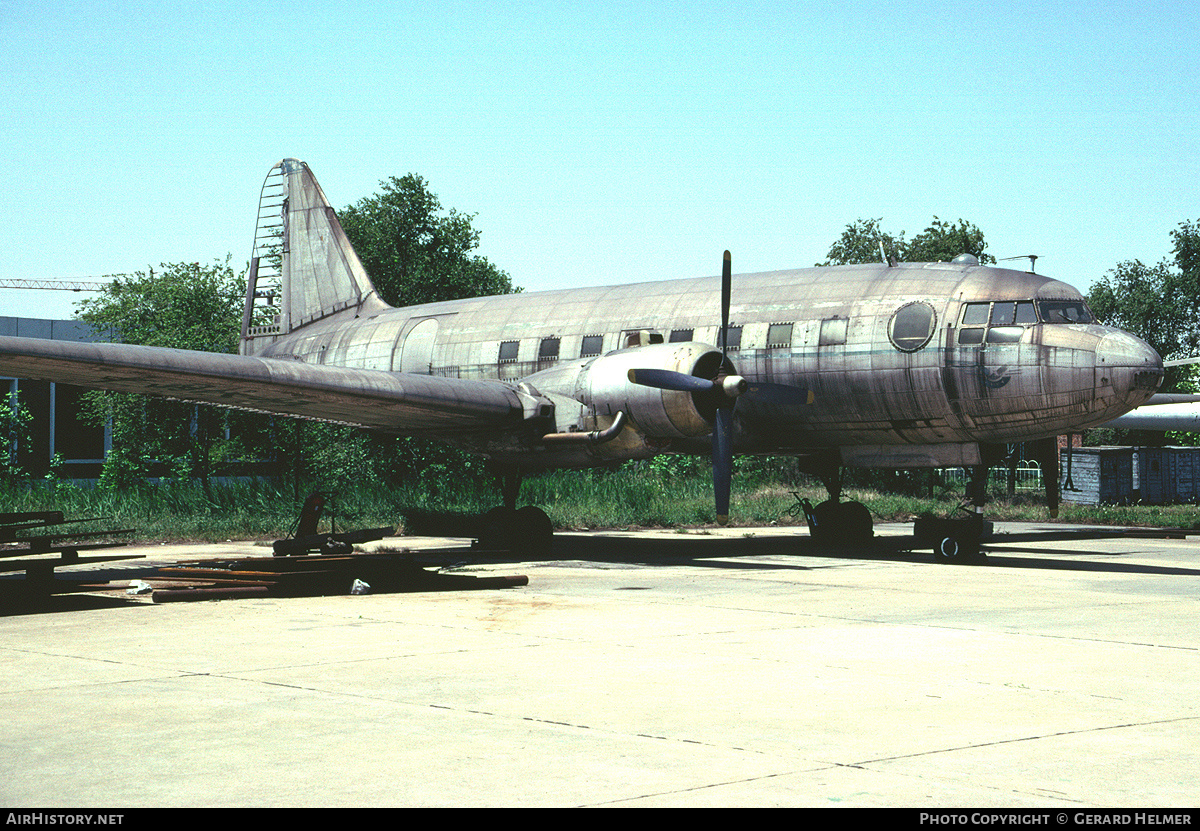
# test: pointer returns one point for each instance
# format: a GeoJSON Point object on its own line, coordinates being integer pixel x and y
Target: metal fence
{"type": "Point", "coordinates": [1028, 476]}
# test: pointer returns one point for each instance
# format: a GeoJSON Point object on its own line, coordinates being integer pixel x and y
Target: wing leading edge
{"type": "Point", "coordinates": [397, 402]}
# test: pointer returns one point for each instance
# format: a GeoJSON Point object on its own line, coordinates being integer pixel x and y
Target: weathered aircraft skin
{"type": "Point", "coordinates": [1050, 379]}
{"type": "Point", "coordinates": [926, 395]}
{"type": "Point", "coordinates": [894, 366]}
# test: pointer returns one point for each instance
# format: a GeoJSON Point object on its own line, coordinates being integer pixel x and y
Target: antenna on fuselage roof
{"type": "Point", "coordinates": [1031, 257]}
{"type": "Point", "coordinates": [890, 262]}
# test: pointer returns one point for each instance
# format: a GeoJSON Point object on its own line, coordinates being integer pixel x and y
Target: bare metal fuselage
{"type": "Point", "coordinates": [885, 391]}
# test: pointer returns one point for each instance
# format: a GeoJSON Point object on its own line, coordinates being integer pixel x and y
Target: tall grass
{"type": "Point", "coordinates": [633, 496]}
{"type": "Point", "coordinates": [167, 512]}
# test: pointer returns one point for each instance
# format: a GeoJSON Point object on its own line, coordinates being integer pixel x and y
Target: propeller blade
{"type": "Point", "coordinates": [722, 437]}
{"type": "Point", "coordinates": [722, 461]}
{"type": "Point", "coordinates": [667, 379]}
{"type": "Point", "coordinates": [726, 291]}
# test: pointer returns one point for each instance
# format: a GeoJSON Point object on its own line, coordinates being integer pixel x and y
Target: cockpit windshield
{"type": "Point", "coordinates": [1065, 311]}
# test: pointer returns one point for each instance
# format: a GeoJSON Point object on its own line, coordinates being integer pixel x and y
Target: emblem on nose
{"type": "Point", "coordinates": [995, 378]}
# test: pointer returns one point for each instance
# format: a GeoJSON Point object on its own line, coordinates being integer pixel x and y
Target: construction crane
{"type": "Point", "coordinates": [86, 284]}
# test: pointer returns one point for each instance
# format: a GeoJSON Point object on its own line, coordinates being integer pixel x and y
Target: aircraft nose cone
{"type": "Point", "coordinates": [1130, 366]}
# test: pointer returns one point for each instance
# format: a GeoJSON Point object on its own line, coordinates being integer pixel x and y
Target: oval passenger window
{"type": "Point", "coordinates": [911, 326]}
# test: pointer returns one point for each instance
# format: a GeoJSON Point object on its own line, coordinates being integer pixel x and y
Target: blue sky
{"type": "Point", "coordinates": [600, 143]}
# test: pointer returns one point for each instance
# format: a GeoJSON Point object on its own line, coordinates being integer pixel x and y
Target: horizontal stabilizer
{"type": "Point", "coordinates": [396, 402]}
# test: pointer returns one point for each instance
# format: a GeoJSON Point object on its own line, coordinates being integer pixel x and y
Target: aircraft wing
{"type": "Point", "coordinates": [1182, 417]}
{"type": "Point", "coordinates": [1164, 411]}
{"type": "Point", "coordinates": [394, 401]}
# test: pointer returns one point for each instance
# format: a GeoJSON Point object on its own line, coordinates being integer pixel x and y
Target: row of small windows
{"type": "Point", "coordinates": [548, 348]}
{"type": "Point", "coordinates": [779, 336]}
{"type": "Point", "coordinates": [592, 345]}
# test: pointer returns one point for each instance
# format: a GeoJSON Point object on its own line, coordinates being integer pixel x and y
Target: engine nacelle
{"type": "Point", "coordinates": [604, 386]}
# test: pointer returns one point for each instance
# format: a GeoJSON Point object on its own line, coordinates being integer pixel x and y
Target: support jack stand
{"type": "Point", "coordinates": [306, 538]}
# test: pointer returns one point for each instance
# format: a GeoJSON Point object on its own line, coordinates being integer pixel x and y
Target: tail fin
{"type": "Point", "coordinates": [302, 255]}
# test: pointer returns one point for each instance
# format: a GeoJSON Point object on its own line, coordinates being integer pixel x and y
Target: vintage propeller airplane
{"type": "Point", "coordinates": [885, 365]}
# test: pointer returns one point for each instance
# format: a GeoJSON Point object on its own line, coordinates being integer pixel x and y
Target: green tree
{"type": "Point", "coordinates": [414, 251]}
{"type": "Point", "coordinates": [1159, 303]}
{"type": "Point", "coordinates": [941, 242]}
{"type": "Point", "coordinates": [180, 306]}
{"type": "Point", "coordinates": [15, 421]}
{"type": "Point", "coordinates": [860, 243]}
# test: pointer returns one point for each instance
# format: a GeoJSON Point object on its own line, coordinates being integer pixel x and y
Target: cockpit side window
{"type": "Point", "coordinates": [975, 314]}
{"type": "Point", "coordinates": [1005, 334]}
{"type": "Point", "coordinates": [974, 318]}
{"type": "Point", "coordinates": [1003, 314]}
{"type": "Point", "coordinates": [1007, 313]}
